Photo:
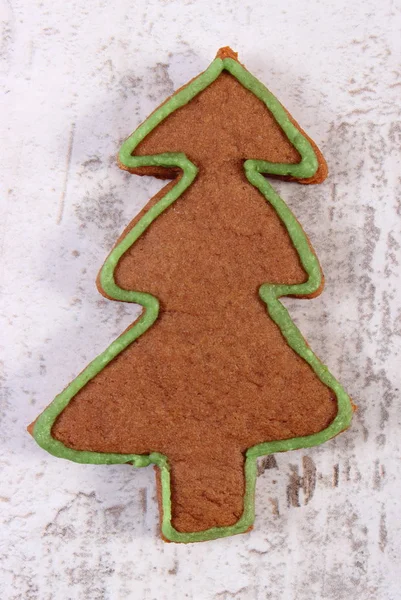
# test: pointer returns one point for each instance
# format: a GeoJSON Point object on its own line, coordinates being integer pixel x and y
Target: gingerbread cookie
{"type": "Point", "coordinates": [214, 373]}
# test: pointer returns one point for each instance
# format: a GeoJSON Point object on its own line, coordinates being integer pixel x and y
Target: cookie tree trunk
{"type": "Point", "coordinates": [212, 375]}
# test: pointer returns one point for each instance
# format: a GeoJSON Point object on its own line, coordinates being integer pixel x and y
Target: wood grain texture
{"type": "Point", "coordinates": [77, 79]}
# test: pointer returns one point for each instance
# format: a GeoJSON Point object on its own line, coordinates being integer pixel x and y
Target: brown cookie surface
{"type": "Point", "coordinates": [214, 375]}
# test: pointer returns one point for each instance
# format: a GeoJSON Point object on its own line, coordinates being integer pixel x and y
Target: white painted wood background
{"type": "Point", "coordinates": [77, 78]}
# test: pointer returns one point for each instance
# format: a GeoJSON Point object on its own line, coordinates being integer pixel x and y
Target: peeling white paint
{"type": "Point", "coordinates": [78, 77]}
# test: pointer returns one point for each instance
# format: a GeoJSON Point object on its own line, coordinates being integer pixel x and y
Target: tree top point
{"type": "Point", "coordinates": [227, 52]}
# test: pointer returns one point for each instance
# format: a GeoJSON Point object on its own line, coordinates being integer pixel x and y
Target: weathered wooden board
{"type": "Point", "coordinates": [78, 77]}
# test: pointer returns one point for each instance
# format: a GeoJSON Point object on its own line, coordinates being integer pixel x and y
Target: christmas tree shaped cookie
{"type": "Point", "coordinates": [214, 373]}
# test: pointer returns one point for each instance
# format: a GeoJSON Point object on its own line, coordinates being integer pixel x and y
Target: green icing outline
{"type": "Point", "coordinates": [269, 293]}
